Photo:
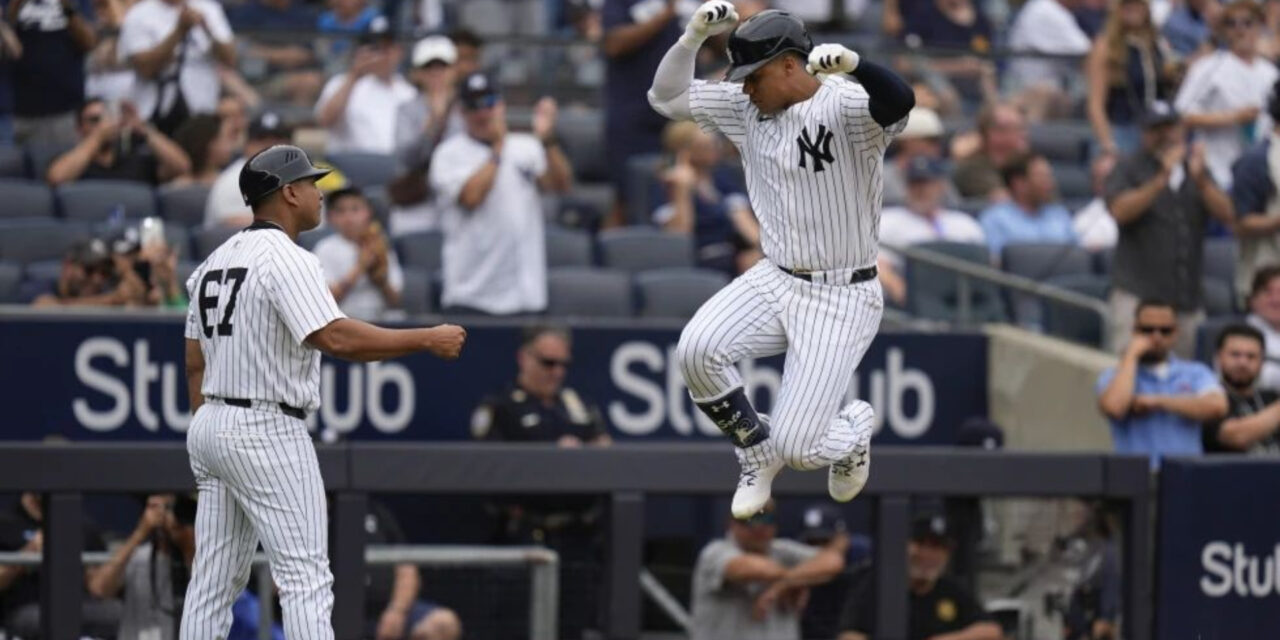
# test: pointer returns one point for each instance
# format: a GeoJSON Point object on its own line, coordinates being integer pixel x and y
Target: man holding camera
{"type": "Point", "coordinates": [359, 107]}
{"type": "Point", "coordinates": [118, 147]}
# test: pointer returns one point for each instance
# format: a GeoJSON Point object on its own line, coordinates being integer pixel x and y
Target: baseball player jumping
{"type": "Point", "coordinates": [261, 313]}
{"type": "Point", "coordinates": [812, 124]}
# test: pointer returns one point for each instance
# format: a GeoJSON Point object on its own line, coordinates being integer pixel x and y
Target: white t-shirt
{"type": "Point", "coordinates": [1045, 26]}
{"type": "Point", "coordinates": [225, 199]}
{"type": "Point", "coordinates": [147, 24]}
{"type": "Point", "coordinates": [1218, 82]}
{"type": "Point", "coordinates": [901, 227]}
{"type": "Point", "coordinates": [1270, 377]}
{"type": "Point", "coordinates": [369, 123]}
{"type": "Point", "coordinates": [1094, 226]}
{"type": "Point", "coordinates": [338, 257]}
{"type": "Point", "coordinates": [495, 256]}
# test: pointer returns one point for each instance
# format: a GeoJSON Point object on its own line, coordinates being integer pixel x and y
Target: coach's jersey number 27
{"type": "Point", "coordinates": [213, 286]}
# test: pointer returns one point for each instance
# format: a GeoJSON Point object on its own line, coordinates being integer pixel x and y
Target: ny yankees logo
{"type": "Point", "coordinates": [817, 148]}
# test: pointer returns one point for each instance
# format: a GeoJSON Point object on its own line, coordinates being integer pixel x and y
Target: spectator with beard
{"type": "Point", "coordinates": [1264, 315]}
{"type": "Point", "coordinates": [1253, 414]}
{"type": "Point", "coordinates": [118, 148]}
{"type": "Point", "coordinates": [1002, 130]}
{"type": "Point", "coordinates": [1154, 400]}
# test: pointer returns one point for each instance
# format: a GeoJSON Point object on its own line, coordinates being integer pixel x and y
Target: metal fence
{"type": "Point", "coordinates": [625, 474]}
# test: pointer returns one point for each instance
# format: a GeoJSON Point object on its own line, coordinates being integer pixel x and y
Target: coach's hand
{"type": "Point", "coordinates": [832, 58]}
{"type": "Point", "coordinates": [391, 626]}
{"type": "Point", "coordinates": [445, 341]}
{"type": "Point", "coordinates": [711, 19]}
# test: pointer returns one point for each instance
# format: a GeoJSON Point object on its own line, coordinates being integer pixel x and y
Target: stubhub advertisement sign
{"type": "Point", "coordinates": [1219, 558]}
{"type": "Point", "coordinates": [123, 378]}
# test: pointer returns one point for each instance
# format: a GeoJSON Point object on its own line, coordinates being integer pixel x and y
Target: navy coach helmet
{"type": "Point", "coordinates": [272, 168]}
{"type": "Point", "coordinates": [763, 37]}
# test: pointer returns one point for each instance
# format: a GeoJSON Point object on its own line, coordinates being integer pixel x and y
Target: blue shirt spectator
{"type": "Point", "coordinates": [283, 15]}
{"type": "Point", "coordinates": [1155, 401]}
{"type": "Point", "coordinates": [1030, 215]}
{"type": "Point", "coordinates": [347, 19]}
{"type": "Point", "coordinates": [1186, 29]}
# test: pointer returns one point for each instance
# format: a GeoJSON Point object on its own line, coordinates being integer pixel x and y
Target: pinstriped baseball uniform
{"type": "Point", "coordinates": [814, 178]}
{"type": "Point", "coordinates": [254, 301]}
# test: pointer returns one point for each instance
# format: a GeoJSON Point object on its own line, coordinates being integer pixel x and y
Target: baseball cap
{"type": "Point", "coordinates": [378, 31]}
{"type": "Point", "coordinates": [924, 169]}
{"type": "Point", "coordinates": [90, 253]}
{"type": "Point", "coordinates": [980, 432]}
{"type": "Point", "coordinates": [821, 523]}
{"type": "Point", "coordinates": [1158, 114]}
{"type": "Point", "coordinates": [269, 125]}
{"type": "Point", "coordinates": [434, 49]}
{"type": "Point", "coordinates": [931, 528]}
{"type": "Point", "coordinates": [479, 90]}
{"type": "Point", "coordinates": [922, 122]}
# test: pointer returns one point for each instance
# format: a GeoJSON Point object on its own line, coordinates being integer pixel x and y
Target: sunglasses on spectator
{"type": "Point", "coordinates": [762, 519]}
{"type": "Point", "coordinates": [552, 363]}
{"type": "Point", "coordinates": [93, 119]}
{"type": "Point", "coordinates": [1149, 330]}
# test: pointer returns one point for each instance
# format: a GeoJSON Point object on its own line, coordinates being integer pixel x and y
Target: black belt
{"type": "Point", "coordinates": [858, 275]}
{"type": "Point", "coordinates": [292, 412]}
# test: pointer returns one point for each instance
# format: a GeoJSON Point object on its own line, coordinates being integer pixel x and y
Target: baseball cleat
{"type": "Point", "coordinates": [760, 464]}
{"type": "Point", "coordinates": [848, 476]}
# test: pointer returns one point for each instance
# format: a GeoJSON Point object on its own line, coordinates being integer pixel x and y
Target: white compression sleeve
{"type": "Point", "coordinates": [669, 94]}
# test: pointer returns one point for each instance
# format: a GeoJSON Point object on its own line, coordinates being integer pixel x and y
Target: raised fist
{"type": "Point", "coordinates": [832, 58]}
{"type": "Point", "coordinates": [712, 18]}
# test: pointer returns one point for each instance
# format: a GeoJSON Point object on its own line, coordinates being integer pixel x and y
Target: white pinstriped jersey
{"type": "Point", "coordinates": [254, 301]}
{"type": "Point", "coordinates": [813, 171]}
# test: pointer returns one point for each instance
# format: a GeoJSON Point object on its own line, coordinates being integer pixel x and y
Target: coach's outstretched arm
{"type": "Point", "coordinates": [890, 98]}
{"type": "Point", "coordinates": [352, 339]}
{"type": "Point", "coordinates": [669, 94]}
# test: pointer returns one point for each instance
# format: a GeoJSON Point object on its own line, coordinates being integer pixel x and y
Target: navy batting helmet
{"type": "Point", "coordinates": [274, 167]}
{"type": "Point", "coordinates": [763, 37]}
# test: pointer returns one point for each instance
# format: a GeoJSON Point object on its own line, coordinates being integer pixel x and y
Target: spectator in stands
{"type": "Point", "coordinates": [821, 524]}
{"type": "Point", "coordinates": [752, 584]}
{"type": "Point", "coordinates": [637, 33]}
{"type": "Point", "coordinates": [394, 609]}
{"type": "Point", "coordinates": [820, 12]}
{"type": "Point", "coordinates": [88, 278]}
{"type": "Point", "coordinates": [350, 17]}
{"type": "Point", "coordinates": [49, 77]}
{"type": "Point", "coordinates": [487, 182]}
{"type": "Point", "coordinates": [10, 51]}
{"type": "Point", "coordinates": [924, 218]}
{"type": "Point", "coordinates": [955, 25]}
{"type": "Point", "coordinates": [922, 137]}
{"type": "Point", "coordinates": [1264, 315]}
{"type": "Point", "coordinates": [939, 607]}
{"type": "Point", "coordinates": [175, 47]}
{"type": "Point", "coordinates": [281, 15]}
{"type": "Point", "coordinates": [1253, 195]}
{"type": "Point", "coordinates": [1253, 414]}
{"type": "Point", "coordinates": [1003, 132]}
{"type": "Point", "coordinates": [1189, 26]}
{"type": "Point", "coordinates": [362, 269]}
{"type": "Point", "coordinates": [109, 77]}
{"type": "Point", "coordinates": [1154, 400]}
{"type": "Point", "coordinates": [1045, 27]}
{"type": "Point", "coordinates": [1128, 68]}
{"type": "Point", "coordinates": [287, 67]}
{"type": "Point", "coordinates": [149, 571]}
{"type": "Point", "coordinates": [1093, 224]}
{"type": "Point", "coordinates": [225, 205]}
{"type": "Point", "coordinates": [207, 141]}
{"type": "Point", "coordinates": [1031, 214]}
{"type": "Point", "coordinates": [1162, 199]}
{"type": "Point", "coordinates": [235, 116]}
{"type": "Point", "coordinates": [359, 107]}
{"type": "Point", "coordinates": [1224, 91]}
{"type": "Point", "coordinates": [698, 195]}
{"type": "Point", "coordinates": [22, 529]}
{"type": "Point", "coordinates": [123, 147]}
{"type": "Point", "coordinates": [470, 52]}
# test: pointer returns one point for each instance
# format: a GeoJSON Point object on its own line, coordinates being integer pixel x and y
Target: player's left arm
{"type": "Point", "coordinates": [889, 97]}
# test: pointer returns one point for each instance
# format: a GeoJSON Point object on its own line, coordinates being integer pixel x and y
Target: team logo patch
{"type": "Point", "coordinates": [946, 610]}
{"type": "Point", "coordinates": [817, 149]}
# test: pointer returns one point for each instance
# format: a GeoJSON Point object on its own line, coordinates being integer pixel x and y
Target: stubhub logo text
{"type": "Point", "coordinates": [1230, 570]}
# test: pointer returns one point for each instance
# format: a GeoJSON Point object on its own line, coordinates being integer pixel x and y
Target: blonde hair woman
{"type": "Point", "coordinates": [1128, 68]}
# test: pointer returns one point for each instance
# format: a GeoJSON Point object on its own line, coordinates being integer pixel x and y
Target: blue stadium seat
{"type": "Point", "coordinates": [421, 249]}
{"type": "Point", "coordinates": [581, 132]}
{"type": "Point", "coordinates": [1219, 297]}
{"type": "Point", "coordinates": [32, 240]}
{"type": "Point", "coordinates": [1074, 182]}
{"type": "Point", "coordinates": [642, 170]}
{"type": "Point", "coordinates": [935, 293]}
{"type": "Point", "coordinates": [25, 199]}
{"type": "Point", "coordinates": [1074, 323]}
{"type": "Point", "coordinates": [1061, 142]}
{"type": "Point", "coordinates": [416, 295]}
{"type": "Point", "coordinates": [644, 248]}
{"type": "Point", "coordinates": [1102, 261]}
{"type": "Point", "coordinates": [13, 162]}
{"type": "Point", "coordinates": [98, 200]}
{"type": "Point", "coordinates": [568, 247]}
{"type": "Point", "coordinates": [587, 292]}
{"type": "Point", "coordinates": [41, 155]}
{"type": "Point", "coordinates": [1039, 261]}
{"type": "Point", "coordinates": [183, 205]}
{"type": "Point", "coordinates": [185, 269]}
{"type": "Point", "coordinates": [676, 293]}
{"type": "Point", "coordinates": [10, 278]}
{"type": "Point", "coordinates": [44, 271]}
{"type": "Point", "coordinates": [210, 238]}
{"type": "Point", "coordinates": [365, 170]}
{"type": "Point", "coordinates": [1220, 260]}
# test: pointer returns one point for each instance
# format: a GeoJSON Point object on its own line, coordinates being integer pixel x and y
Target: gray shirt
{"type": "Point", "coordinates": [722, 610]}
{"type": "Point", "coordinates": [149, 608]}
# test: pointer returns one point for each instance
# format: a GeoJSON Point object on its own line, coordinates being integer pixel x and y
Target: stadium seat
{"type": "Point", "coordinates": [45, 271]}
{"type": "Point", "coordinates": [185, 269]}
{"type": "Point", "coordinates": [308, 239]}
{"type": "Point", "coordinates": [1039, 262]}
{"type": "Point", "coordinates": [1220, 260]}
{"type": "Point", "coordinates": [676, 293]}
{"type": "Point", "coordinates": [1102, 261]}
{"type": "Point", "coordinates": [1218, 297]}
{"type": "Point", "coordinates": [585, 207]}
{"type": "Point", "coordinates": [568, 247]}
{"type": "Point", "coordinates": [1061, 142]}
{"type": "Point", "coordinates": [99, 200]}
{"type": "Point", "coordinates": [365, 170]}
{"type": "Point", "coordinates": [25, 199]}
{"type": "Point", "coordinates": [179, 239]}
{"type": "Point", "coordinates": [41, 155]}
{"type": "Point", "coordinates": [643, 248]}
{"type": "Point", "coordinates": [1074, 323]}
{"type": "Point", "coordinates": [642, 170]}
{"type": "Point", "coordinates": [581, 132]}
{"type": "Point", "coordinates": [10, 278]}
{"type": "Point", "coordinates": [13, 162]}
{"type": "Point", "coordinates": [416, 295]}
{"type": "Point", "coordinates": [28, 240]}
{"type": "Point", "coordinates": [421, 249]}
{"type": "Point", "coordinates": [210, 238]}
{"type": "Point", "coordinates": [183, 205]}
{"type": "Point", "coordinates": [587, 292]}
{"type": "Point", "coordinates": [1074, 182]}
{"type": "Point", "coordinates": [935, 293]}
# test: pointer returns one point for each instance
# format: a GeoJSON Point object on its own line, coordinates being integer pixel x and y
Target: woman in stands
{"type": "Point", "coordinates": [207, 140]}
{"type": "Point", "coordinates": [1129, 67]}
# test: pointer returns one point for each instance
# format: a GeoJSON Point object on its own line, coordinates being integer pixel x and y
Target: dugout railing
{"type": "Point", "coordinates": [625, 474]}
